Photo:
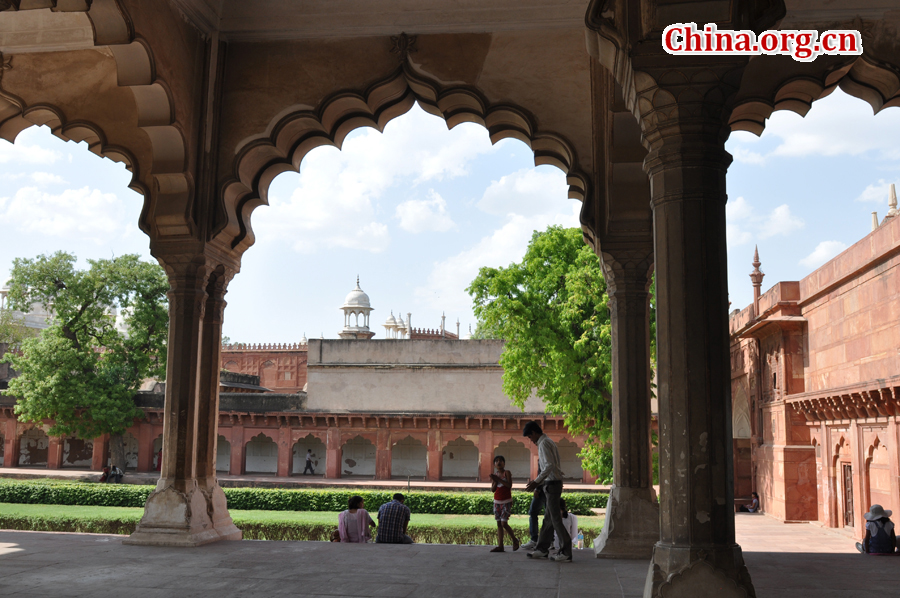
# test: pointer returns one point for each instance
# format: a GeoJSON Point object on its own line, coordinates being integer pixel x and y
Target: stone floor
{"type": "Point", "coordinates": [785, 561]}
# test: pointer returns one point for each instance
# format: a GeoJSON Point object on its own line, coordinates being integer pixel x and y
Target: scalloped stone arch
{"type": "Point", "coordinates": [875, 84]}
{"type": "Point", "coordinates": [296, 131]}
{"type": "Point", "coordinates": [163, 182]}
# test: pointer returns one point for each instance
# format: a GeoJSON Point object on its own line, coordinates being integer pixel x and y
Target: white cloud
{"type": "Point", "coordinates": [877, 193]}
{"type": "Point", "coordinates": [743, 223]}
{"type": "Point", "coordinates": [445, 286]}
{"type": "Point", "coordinates": [23, 152]}
{"type": "Point", "coordinates": [337, 199]}
{"type": "Point", "coordinates": [527, 192]}
{"type": "Point", "coordinates": [64, 214]}
{"type": "Point", "coordinates": [838, 125]}
{"type": "Point", "coordinates": [780, 221]}
{"type": "Point", "coordinates": [42, 179]}
{"type": "Point", "coordinates": [823, 252]}
{"type": "Point", "coordinates": [425, 215]}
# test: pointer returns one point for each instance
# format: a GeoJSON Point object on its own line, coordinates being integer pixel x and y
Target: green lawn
{"type": "Point", "coordinates": [267, 525]}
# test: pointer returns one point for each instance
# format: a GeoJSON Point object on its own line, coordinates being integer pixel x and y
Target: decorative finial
{"type": "Point", "coordinates": [357, 281]}
{"type": "Point", "coordinates": [892, 202]}
{"type": "Point", "coordinates": [756, 277]}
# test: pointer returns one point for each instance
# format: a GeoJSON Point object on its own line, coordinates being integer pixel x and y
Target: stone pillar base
{"type": "Point", "coordinates": [173, 518]}
{"type": "Point", "coordinates": [696, 572]}
{"type": "Point", "coordinates": [631, 528]}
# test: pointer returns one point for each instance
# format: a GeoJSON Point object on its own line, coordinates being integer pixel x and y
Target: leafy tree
{"type": "Point", "coordinates": [13, 330]}
{"type": "Point", "coordinates": [552, 311]}
{"type": "Point", "coordinates": [82, 371]}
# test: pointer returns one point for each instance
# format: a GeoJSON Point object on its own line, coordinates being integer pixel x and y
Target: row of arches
{"type": "Point", "coordinates": [409, 457]}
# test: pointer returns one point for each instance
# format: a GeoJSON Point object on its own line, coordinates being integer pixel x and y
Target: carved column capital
{"type": "Point", "coordinates": [627, 270]}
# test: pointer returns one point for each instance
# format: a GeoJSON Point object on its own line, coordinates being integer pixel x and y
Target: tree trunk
{"type": "Point", "coordinates": [117, 450]}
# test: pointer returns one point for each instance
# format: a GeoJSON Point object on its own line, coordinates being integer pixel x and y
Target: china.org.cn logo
{"type": "Point", "coordinates": [682, 39]}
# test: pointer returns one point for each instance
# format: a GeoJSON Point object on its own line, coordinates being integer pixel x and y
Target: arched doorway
{"type": "Point", "coordinates": [518, 458]}
{"type": "Point", "coordinates": [157, 447]}
{"type": "Point", "coordinates": [358, 457]}
{"type": "Point", "coordinates": [77, 453]}
{"type": "Point", "coordinates": [319, 455]}
{"type": "Point", "coordinates": [262, 455]}
{"type": "Point", "coordinates": [409, 458]}
{"type": "Point", "coordinates": [223, 454]}
{"type": "Point", "coordinates": [460, 459]}
{"type": "Point", "coordinates": [569, 459]}
{"type": "Point", "coordinates": [34, 446]}
{"type": "Point", "coordinates": [131, 446]}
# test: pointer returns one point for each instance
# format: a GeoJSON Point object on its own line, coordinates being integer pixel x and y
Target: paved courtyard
{"type": "Point", "coordinates": [804, 561]}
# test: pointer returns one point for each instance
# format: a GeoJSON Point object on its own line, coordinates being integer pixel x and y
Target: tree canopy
{"type": "Point", "coordinates": [551, 309]}
{"type": "Point", "coordinates": [83, 370]}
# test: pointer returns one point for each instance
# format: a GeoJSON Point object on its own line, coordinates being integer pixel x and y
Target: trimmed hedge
{"type": "Point", "coordinates": [256, 530]}
{"type": "Point", "coordinates": [277, 499]}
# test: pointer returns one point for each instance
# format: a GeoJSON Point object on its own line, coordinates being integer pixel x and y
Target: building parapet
{"type": "Point", "coordinates": [871, 399]}
{"type": "Point", "coordinates": [243, 347]}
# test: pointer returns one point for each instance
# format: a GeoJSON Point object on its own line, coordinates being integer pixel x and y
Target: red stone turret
{"type": "Point", "coordinates": [756, 277]}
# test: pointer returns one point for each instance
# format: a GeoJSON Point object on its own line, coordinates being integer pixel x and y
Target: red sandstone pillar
{"type": "Point", "coordinates": [435, 456]}
{"type": "Point", "coordinates": [236, 463]}
{"type": "Point", "coordinates": [145, 447]}
{"type": "Point", "coordinates": [534, 458]}
{"type": "Point", "coordinates": [383, 455]}
{"type": "Point", "coordinates": [284, 452]}
{"type": "Point", "coordinates": [11, 448]}
{"type": "Point", "coordinates": [485, 455]}
{"type": "Point", "coordinates": [100, 453]}
{"type": "Point", "coordinates": [857, 461]}
{"type": "Point", "coordinates": [333, 449]}
{"type": "Point", "coordinates": [55, 453]}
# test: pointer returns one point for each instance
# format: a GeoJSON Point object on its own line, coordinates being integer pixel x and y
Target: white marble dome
{"type": "Point", "coordinates": [391, 321]}
{"type": "Point", "coordinates": [357, 298]}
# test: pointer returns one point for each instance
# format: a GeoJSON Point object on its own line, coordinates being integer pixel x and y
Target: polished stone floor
{"type": "Point", "coordinates": [795, 561]}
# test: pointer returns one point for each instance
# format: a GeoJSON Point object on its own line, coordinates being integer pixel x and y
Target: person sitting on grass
{"type": "Point", "coordinates": [501, 485]}
{"type": "Point", "coordinates": [354, 523]}
{"type": "Point", "coordinates": [880, 537]}
{"type": "Point", "coordinates": [393, 522]}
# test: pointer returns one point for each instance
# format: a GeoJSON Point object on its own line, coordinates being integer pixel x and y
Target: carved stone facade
{"type": "Point", "coordinates": [815, 376]}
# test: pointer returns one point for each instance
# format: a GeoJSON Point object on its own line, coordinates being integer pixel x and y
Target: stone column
{"type": "Point", "coordinates": [55, 453]}
{"type": "Point", "coordinates": [236, 462]}
{"type": "Point", "coordinates": [632, 515]}
{"type": "Point", "coordinates": [100, 454]}
{"type": "Point", "coordinates": [435, 457]}
{"type": "Point", "coordinates": [485, 455]}
{"type": "Point", "coordinates": [145, 447]}
{"type": "Point", "coordinates": [11, 445]}
{"type": "Point", "coordinates": [333, 449]}
{"type": "Point", "coordinates": [285, 451]}
{"type": "Point", "coordinates": [684, 124]}
{"type": "Point", "coordinates": [383, 455]}
{"type": "Point", "coordinates": [188, 508]}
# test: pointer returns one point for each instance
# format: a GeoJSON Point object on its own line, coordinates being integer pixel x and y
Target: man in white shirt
{"type": "Point", "coordinates": [550, 479]}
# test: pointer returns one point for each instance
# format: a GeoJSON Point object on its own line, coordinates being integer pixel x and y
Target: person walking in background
{"type": "Point", "coordinates": [393, 522]}
{"type": "Point", "coordinates": [880, 536]}
{"type": "Point", "coordinates": [354, 523]}
{"type": "Point", "coordinates": [501, 486]}
{"type": "Point", "coordinates": [551, 477]}
{"type": "Point", "coordinates": [534, 510]}
{"type": "Point", "coordinates": [309, 463]}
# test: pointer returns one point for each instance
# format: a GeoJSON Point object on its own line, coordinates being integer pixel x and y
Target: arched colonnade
{"type": "Point", "coordinates": [639, 133]}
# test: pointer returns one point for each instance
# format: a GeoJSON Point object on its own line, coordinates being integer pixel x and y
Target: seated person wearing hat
{"type": "Point", "coordinates": [880, 537]}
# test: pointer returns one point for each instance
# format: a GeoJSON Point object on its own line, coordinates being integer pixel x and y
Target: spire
{"type": "Point", "coordinates": [892, 203]}
{"type": "Point", "coordinates": [756, 278]}
{"type": "Point", "coordinates": [357, 281]}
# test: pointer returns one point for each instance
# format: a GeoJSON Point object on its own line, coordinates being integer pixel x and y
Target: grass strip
{"type": "Point", "coordinates": [268, 525]}
{"type": "Point", "coordinates": [279, 499]}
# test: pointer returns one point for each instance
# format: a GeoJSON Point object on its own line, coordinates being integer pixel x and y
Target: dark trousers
{"type": "Point", "coordinates": [553, 521]}
{"type": "Point", "coordinates": [309, 468]}
{"type": "Point", "coordinates": [537, 503]}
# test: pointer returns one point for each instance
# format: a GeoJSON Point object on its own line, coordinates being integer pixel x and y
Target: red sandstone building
{"type": "Point", "coordinates": [815, 378]}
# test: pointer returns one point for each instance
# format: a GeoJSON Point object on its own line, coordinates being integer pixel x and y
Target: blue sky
{"type": "Point", "coordinates": [416, 210]}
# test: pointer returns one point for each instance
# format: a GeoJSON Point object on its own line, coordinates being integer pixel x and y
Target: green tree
{"type": "Point", "coordinates": [13, 330]}
{"type": "Point", "coordinates": [552, 310]}
{"type": "Point", "coordinates": [82, 371]}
